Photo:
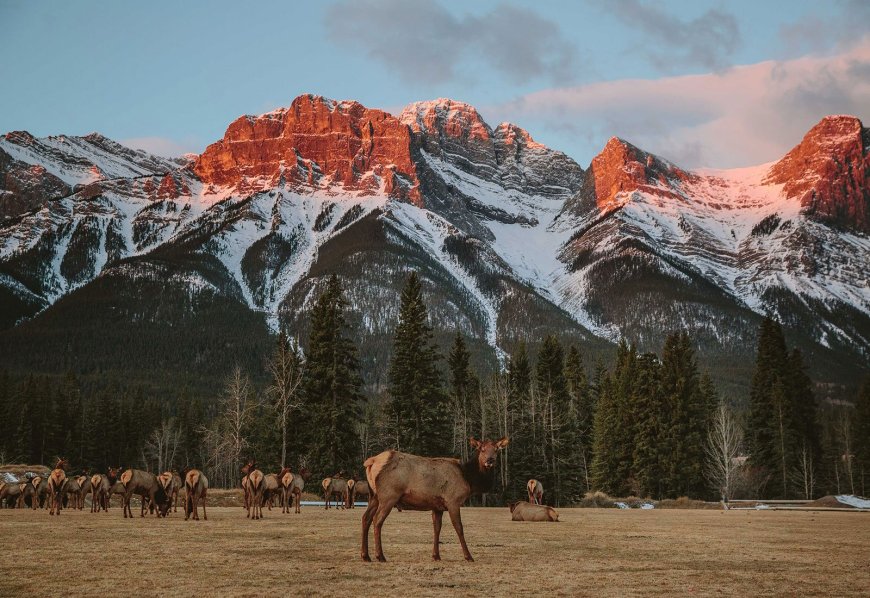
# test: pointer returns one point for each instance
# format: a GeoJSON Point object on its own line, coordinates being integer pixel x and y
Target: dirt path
{"type": "Point", "coordinates": [591, 552]}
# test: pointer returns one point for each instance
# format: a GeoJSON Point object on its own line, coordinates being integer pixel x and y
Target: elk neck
{"type": "Point", "coordinates": [480, 481]}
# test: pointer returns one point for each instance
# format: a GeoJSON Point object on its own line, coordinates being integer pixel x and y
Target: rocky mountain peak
{"type": "Point", "coordinates": [314, 141]}
{"type": "Point", "coordinates": [829, 172]}
{"type": "Point", "coordinates": [446, 117]}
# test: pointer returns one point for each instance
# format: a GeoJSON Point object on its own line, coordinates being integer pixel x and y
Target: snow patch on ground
{"type": "Point", "coordinates": [854, 501]}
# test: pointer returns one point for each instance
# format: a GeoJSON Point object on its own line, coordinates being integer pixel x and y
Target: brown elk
{"type": "Point", "coordinates": [524, 511]}
{"type": "Point", "coordinates": [56, 481]}
{"type": "Point", "coordinates": [536, 491]}
{"type": "Point", "coordinates": [335, 488]}
{"type": "Point", "coordinates": [195, 491]}
{"type": "Point", "coordinates": [40, 489]}
{"type": "Point", "coordinates": [285, 486]}
{"type": "Point", "coordinates": [426, 484]}
{"type": "Point", "coordinates": [10, 495]}
{"type": "Point", "coordinates": [271, 489]}
{"type": "Point", "coordinates": [255, 485]}
{"type": "Point", "coordinates": [84, 482]}
{"type": "Point", "coordinates": [170, 481]}
{"type": "Point", "coordinates": [245, 471]}
{"type": "Point", "coordinates": [99, 493]}
{"type": "Point", "coordinates": [298, 485]}
{"type": "Point", "coordinates": [71, 493]}
{"type": "Point", "coordinates": [358, 488]}
{"type": "Point", "coordinates": [149, 489]}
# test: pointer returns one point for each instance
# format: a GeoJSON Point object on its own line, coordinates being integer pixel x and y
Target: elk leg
{"type": "Point", "coordinates": [384, 509]}
{"type": "Point", "coordinates": [436, 528]}
{"type": "Point", "coordinates": [366, 524]}
{"type": "Point", "coordinates": [456, 520]}
{"type": "Point", "coordinates": [204, 514]}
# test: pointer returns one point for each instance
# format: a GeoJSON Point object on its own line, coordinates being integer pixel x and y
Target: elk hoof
{"type": "Point", "coordinates": [382, 558]}
{"type": "Point", "coordinates": [366, 558]}
{"type": "Point", "coordinates": [469, 558]}
{"type": "Point", "coordinates": [436, 557]}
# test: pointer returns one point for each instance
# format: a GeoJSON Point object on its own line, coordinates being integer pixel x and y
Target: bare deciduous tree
{"type": "Point", "coordinates": [285, 367]}
{"type": "Point", "coordinates": [724, 439]}
{"type": "Point", "coordinates": [804, 473]}
{"type": "Point", "coordinates": [225, 439]}
{"type": "Point", "coordinates": [162, 444]}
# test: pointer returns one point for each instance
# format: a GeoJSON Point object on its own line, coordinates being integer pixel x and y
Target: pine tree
{"type": "Point", "coordinates": [583, 411]}
{"type": "Point", "coordinates": [331, 386]}
{"type": "Point", "coordinates": [559, 422]}
{"type": "Point", "coordinates": [806, 459]}
{"type": "Point", "coordinates": [689, 414]}
{"type": "Point", "coordinates": [648, 403]}
{"type": "Point", "coordinates": [769, 430]}
{"type": "Point", "coordinates": [522, 450]}
{"type": "Point", "coordinates": [457, 361]}
{"type": "Point", "coordinates": [419, 407]}
{"type": "Point", "coordinates": [861, 427]}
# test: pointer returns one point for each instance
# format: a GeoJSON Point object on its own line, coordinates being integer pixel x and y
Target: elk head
{"type": "Point", "coordinates": [487, 451]}
{"type": "Point", "coordinates": [61, 464]}
{"type": "Point", "coordinates": [113, 473]}
{"type": "Point", "coordinates": [248, 467]}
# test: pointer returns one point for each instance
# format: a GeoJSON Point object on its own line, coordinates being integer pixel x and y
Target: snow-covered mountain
{"type": "Point", "coordinates": [512, 239]}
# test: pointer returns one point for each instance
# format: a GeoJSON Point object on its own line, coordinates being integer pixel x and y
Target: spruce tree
{"type": "Point", "coordinates": [583, 410]}
{"type": "Point", "coordinates": [457, 361]}
{"type": "Point", "coordinates": [807, 455]}
{"type": "Point", "coordinates": [651, 420]}
{"type": "Point", "coordinates": [559, 422]}
{"type": "Point", "coordinates": [419, 407]}
{"type": "Point", "coordinates": [523, 464]}
{"type": "Point", "coordinates": [331, 387]}
{"type": "Point", "coordinates": [861, 428]}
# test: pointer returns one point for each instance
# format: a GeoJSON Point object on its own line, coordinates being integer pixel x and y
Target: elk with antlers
{"type": "Point", "coordinates": [426, 484]}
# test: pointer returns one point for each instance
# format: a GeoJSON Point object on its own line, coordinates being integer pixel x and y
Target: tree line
{"type": "Point", "coordinates": [649, 425]}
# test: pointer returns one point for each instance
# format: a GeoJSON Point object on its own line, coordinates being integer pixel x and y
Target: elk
{"type": "Point", "coordinates": [536, 491]}
{"type": "Point", "coordinates": [297, 486]}
{"type": "Point", "coordinates": [71, 493]}
{"type": "Point", "coordinates": [195, 490]}
{"type": "Point", "coordinates": [151, 492]}
{"type": "Point", "coordinates": [84, 482]}
{"type": "Point", "coordinates": [246, 469]}
{"type": "Point", "coordinates": [56, 481]}
{"type": "Point", "coordinates": [40, 489]}
{"type": "Point", "coordinates": [178, 484]}
{"type": "Point", "coordinates": [335, 488]}
{"type": "Point", "coordinates": [99, 493]}
{"type": "Point", "coordinates": [285, 483]}
{"type": "Point", "coordinates": [254, 491]}
{"type": "Point", "coordinates": [524, 511]}
{"type": "Point", "coordinates": [271, 488]}
{"type": "Point", "coordinates": [426, 484]}
{"type": "Point", "coordinates": [170, 482]}
{"type": "Point", "coordinates": [359, 488]}
{"type": "Point", "coordinates": [10, 495]}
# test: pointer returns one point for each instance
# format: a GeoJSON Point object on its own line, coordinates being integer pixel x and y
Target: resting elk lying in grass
{"type": "Point", "coordinates": [426, 484]}
{"type": "Point", "coordinates": [536, 491]}
{"type": "Point", "coordinates": [524, 511]}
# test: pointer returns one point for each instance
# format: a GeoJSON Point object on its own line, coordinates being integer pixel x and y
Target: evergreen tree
{"type": "Point", "coordinates": [331, 387]}
{"type": "Point", "coordinates": [688, 414]}
{"type": "Point", "coordinates": [460, 376]}
{"type": "Point", "coordinates": [522, 464]}
{"type": "Point", "coordinates": [419, 408]}
{"type": "Point", "coordinates": [862, 438]}
{"type": "Point", "coordinates": [770, 433]}
{"type": "Point", "coordinates": [651, 428]}
{"type": "Point", "coordinates": [583, 410]}
{"type": "Point", "coordinates": [806, 459]}
{"type": "Point", "coordinates": [552, 389]}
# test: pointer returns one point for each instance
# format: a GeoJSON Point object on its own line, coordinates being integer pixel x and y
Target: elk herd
{"type": "Point", "coordinates": [392, 480]}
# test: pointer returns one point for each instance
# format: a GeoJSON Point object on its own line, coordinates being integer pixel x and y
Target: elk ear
{"type": "Point", "coordinates": [502, 443]}
{"type": "Point", "coordinates": [475, 444]}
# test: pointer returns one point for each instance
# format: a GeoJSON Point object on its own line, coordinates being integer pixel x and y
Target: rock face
{"type": "Point", "coordinates": [512, 240]}
{"type": "Point", "coordinates": [829, 173]}
{"type": "Point", "coordinates": [315, 138]}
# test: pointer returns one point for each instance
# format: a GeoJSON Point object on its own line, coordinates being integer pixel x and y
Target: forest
{"type": "Point", "coordinates": [649, 425]}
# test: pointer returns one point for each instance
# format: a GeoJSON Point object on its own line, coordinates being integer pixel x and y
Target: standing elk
{"type": "Point", "coordinates": [10, 494]}
{"type": "Point", "coordinates": [426, 484]}
{"type": "Point", "coordinates": [298, 485]}
{"type": "Point", "coordinates": [178, 481]}
{"type": "Point", "coordinates": [271, 489]}
{"type": "Point", "coordinates": [536, 491]}
{"type": "Point", "coordinates": [99, 493]}
{"type": "Point", "coordinates": [84, 482]}
{"type": "Point", "coordinates": [255, 491]}
{"type": "Point", "coordinates": [358, 488]}
{"type": "Point", "coordinates": [335, 488]}
{"type": "Point", "coordinates": [170, 482]}
{"type": "Point", "coordinates": [285, 487]}
{"type": "Point", "coordinates": [195, 491]}
{"type": "Point", "coordinates": [150, 490]}
{"type": "Point", "coordinates": [40, 492]}
{"type": "Point", "coordinates": [247, 468]}
{"type": "Point", "coordinates": [524, 511]}
{"type": "Point", "coordinates": [71, 493]}
{"type": "Point", "coordinates": [56, 481]}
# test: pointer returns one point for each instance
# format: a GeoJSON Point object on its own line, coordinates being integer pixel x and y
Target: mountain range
{"type": "Point", "coordinates": [116, 261]}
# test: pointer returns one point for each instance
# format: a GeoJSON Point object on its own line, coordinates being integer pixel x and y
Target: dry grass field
{"type": "Point", "coordinates": [591, 552]}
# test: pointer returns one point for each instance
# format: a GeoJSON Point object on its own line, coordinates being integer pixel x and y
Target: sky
{"type": "Point", "coordinates": [715, 84]}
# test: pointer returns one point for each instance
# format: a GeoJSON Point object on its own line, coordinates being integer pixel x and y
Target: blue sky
{"type": "Point", "coordinates": [703, 83]}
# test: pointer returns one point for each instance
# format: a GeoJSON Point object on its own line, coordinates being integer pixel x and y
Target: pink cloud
{"type": "Point", "coordinates": [742, 116]}
{"type": "Point", "coordinates": [163, 146]}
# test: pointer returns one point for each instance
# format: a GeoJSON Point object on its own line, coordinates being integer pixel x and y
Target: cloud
{"type": "Point", "coordinates": [163, 146]}
{"type": "Point", "coordinates": [746, 115]}
{"type": "Point", "coordinates": [842, 23]}
{"type": "Point", "coordinates": [423, 41]}
{"type": "Point", "coordinates": [707, 40]}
